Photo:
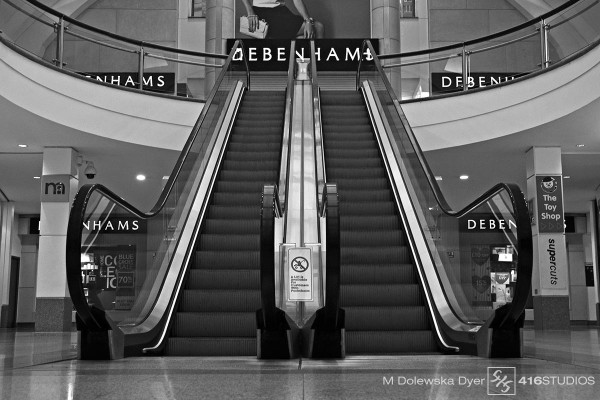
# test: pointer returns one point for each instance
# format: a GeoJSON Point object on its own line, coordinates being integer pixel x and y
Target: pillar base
{"type": "Point", "coordinates": [551, 313]}
{"type": "Point", "coordinates": [53, 314]}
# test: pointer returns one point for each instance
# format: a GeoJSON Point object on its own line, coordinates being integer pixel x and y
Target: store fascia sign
{"type": "Point", "coordinates": [331, 54]}
{"type": "Point", "coordinates": [448, 82]}
{"type": "Point", "coordinates": [163, 82]}
{"type": "Point", "coordinates": [482, 222]}
{"type": "Point", "coordinates": [115, 225]}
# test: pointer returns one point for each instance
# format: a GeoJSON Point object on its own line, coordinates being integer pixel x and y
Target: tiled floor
{"type": "Point", "coordinates": [558, 365]}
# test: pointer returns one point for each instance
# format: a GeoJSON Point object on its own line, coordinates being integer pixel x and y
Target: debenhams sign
{"type": "Point", "coordinates": [331, 54]}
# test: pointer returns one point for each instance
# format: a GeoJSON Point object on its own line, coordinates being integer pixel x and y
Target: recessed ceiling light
{"type": "Point", "coordinates": [36, 177]}
{"type": "Point", "coordinates": [439, 178]}
{"type": "Point", "coordinates": [567, 176]}
{"type": "Point", "coordinates": [464, 177]}
{"type": "Point", "coordinates": [141, 177]}
{"type": "Point", "coordinates": [22, 145]}
{"type": "Point", "coordinates": [581, 145]}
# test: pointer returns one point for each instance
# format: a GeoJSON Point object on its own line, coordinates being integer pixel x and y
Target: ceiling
{"type": "Point", "coordinates": [503, 160]}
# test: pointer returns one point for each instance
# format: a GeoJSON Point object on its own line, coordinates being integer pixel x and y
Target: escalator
{"type": "Point", "coordinates": [216, 314]}
{"type": "Point", "coordinates": [380, 293]}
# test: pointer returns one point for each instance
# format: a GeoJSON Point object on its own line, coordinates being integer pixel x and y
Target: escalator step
{"type": "Point", "coordinates": [228, 259]}
{"type": "Point", "coordinates": [360, 184]}
{"type": "Point", "coordinates": [349, 129]}
{"type": "Point", "coordinates": [267, 156]}
{"type": "Point", "coordinates": [245, 176]}
{"type": "Point", "coordinates": [250, 165]}
{"type": "Point", "coordinates": [233, 212]}
{"type": "Point", "coordinates": [367, 208]}
{"type": "Point", "coordinates": [378, 274]}
{"type": "Point", "coordinates": [409, 318]}
{"type": "Point", "coordinates": [223, 279]}
{"type": "Point", "coordinates": [356, 173]}
{"type": "Point", "coordinates": [368, 223]}
{"type": "Point", "coordinates": [237, 187]}
{"type": "Point", "coordinates": [237, 199]}
{"type": "Point", "coordinates": [369, 254]}
{"type": "Point", "coordinates": [228, 241]}
{"type": "Point", "coordinates": [349, 155]}
{"type": "Point", "coordinates": [220, 300]}
{"type": "Point", "coordinates": [380, 295]}
{"type": "Point", "coordinates": [224, 226]}
{"type": "Point", "coordinates": [362, 162]}
{"type": "Point", "coordinates": [352, 144]}
{"type": "Point", "coordinates": [217, 324]}
{"type": "Point", "coordinates": [248, 148]}
{"type": "Point", "coordinates": [360, 239]}
{"type": "Point", "coordinates": [266, 132]}
{"type": "Point", "coordinates": [199, 346]}
{"type": "Point", "coordinates": [393, 342]}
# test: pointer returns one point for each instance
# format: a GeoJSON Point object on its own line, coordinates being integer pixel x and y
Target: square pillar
{"type": "Point", "coordinates": [550, 278]}
{"type": "Point", "coordinates": [53, 310]}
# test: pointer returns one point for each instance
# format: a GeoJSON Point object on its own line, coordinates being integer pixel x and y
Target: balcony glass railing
{"type": "Point", "coordinates": [533, 46]}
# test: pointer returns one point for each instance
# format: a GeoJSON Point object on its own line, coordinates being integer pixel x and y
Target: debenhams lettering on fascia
{"type": "Point", "coordinates": [280, 54]}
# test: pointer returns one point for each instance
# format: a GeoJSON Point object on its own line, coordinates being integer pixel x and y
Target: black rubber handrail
{"type": "Point", "coordinates": [77, 213]}
{"type": "Point", "coordinates": [111, 35]}
{"type": "Point", "coordinates": [330, 209]}
{"type": "Point", "coordinates": [517, 198]}
{"type": "Point", "coordinates": [271, 209]}
{"type": "Point", "coordinates": [486, 38]}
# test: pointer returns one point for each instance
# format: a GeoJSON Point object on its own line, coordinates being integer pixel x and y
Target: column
{"type": "Point", "coordinates": [385, 26]}
{"type": "Point", "coordinates": [59, 182]}
{"type": "Point", "coordinates": [594, 233]}
{"type": "Point", "coordinates": [550, 280]}
{"type": "Point", "coordinates": [220, 26]}
{"type": "Point", "coordinates": [7, 225]}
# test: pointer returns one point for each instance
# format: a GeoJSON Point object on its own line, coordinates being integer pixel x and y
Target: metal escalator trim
{"type": "Point", "coordinates": [191, 228]}
{"type": "Point", "coordinates": [287, 130]}
{"type": "Point", "coordinates": [434, 293]}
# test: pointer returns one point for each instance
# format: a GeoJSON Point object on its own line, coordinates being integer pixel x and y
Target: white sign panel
{"type": "Point", "coordinates": [552, 261]}
{"type": "Point", "coordinates": [300, 287]}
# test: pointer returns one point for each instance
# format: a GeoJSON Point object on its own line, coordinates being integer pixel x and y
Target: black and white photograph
{"type": "Point", "coordinates": [299, 199]}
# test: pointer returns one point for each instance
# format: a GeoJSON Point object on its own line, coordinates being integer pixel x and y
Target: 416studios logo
{"type": "Point", "coordinates": [502, 381]}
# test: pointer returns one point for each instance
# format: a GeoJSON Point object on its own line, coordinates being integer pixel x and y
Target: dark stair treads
{"type": "Point", "coordinates": [380, 290]}
{"type": "Point", "coordinates": [381, 295]}
{"type": "Point", "coordinates": [405, 318]}
{"type": "Point", "coordinates": [216, 314]}
{"type": "Point", "coordinates": [198, 300]}
{"type": "Point", "coordinates": [201, 346]}
{"type": "Point", "coordinates": [379, 274]}
{"type": "Point", "coordinates": [223, 279]}
{"type": "Point", "coordinates": [390, 342]}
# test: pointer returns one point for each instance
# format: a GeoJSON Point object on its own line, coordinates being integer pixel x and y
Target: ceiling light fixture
{"type": "Point", "coordinates": [581, 145]}
{"type": "Point", "coordinates": [464, 177]}
{"type": "Point", "coordinates": [567, 176]}
{"type": "Point", "coordinates": [36, 177]}
{"type": "Point", "coordinates": [439, 178]}
{"type": "Point", "coordinates": [141, 177]}
{"type": "Point", "coordinates": [22, 145]}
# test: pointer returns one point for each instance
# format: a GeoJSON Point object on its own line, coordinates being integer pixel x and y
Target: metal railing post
{"type": "Point", "coordinates": [141, 68]}
{"type": "Point", "coordinates": [60, 42]}
{"type": "Point", "coordinates": [544, 44]}
{"type": "Point", "coordinates": [465, 68]}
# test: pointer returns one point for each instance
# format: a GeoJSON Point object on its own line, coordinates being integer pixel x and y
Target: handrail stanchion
{"type": "Point", "coordinates": [544, 44]}
{"type": "Point", "coordinates": [465, 68]}
{"type": "Point", "coordinates": [141, 68]}
{"type": "Point", "coordinates": [60, 42]}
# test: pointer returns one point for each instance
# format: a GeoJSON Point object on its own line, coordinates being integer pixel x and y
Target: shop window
{"type": "Point", "coordinates": [198, 9]}
{"type": "Point", "coordinates": [407, 9]}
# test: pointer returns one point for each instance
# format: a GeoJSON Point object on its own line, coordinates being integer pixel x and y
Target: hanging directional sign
{"type": "Point", "coordinates": [300, 287]}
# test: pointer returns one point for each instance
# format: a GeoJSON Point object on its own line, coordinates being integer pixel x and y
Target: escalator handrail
{"type": "Point", "coordinates": [517, 198]}
{"type": "Point", "coordinates": [318, 131]}
{"type": "Point", "coordinates": [482, 39]}
{"type": "Point", "coordinates": [77, 213]}
{"type": "Point", "coordinates": [115, 36]}
{"type": "Point", "coordinates": [270, 210]}
{"type": "Point", "coordinates": [284, 158]}
{"type": "Point", "coordinates": [330, 208]}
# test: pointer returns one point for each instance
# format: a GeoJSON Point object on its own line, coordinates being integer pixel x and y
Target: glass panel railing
{"type": "Point", "coordinates": [479, 251]}
{"type": "Point", "coordinates": [119, 258]}
{"type": "Point", "coordinates": [73, 46]}
{"type": "Point", "coordinates": [540, 43]}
